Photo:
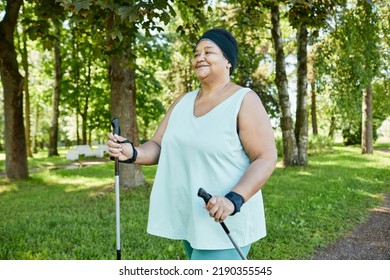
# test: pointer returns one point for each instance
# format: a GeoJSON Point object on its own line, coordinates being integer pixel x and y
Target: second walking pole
{"type": "Point", "coordinates": [117, 131]}
{"type": "Point", "coordinates": [206, 197]}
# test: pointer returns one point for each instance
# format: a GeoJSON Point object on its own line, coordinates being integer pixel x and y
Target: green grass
{"type": "Point", "coordinates": [70, 213]}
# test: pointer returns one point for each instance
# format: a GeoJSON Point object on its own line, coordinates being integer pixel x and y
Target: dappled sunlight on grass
{"type": "Point", "coordinates": [71, 182]}
{"type": "Point", "coordinates": [8, 188]}
{"type": "Point", "coordinates": [376, 196]}
{"type": "Point", "coordinates": [305, 173]}
{"type": "Point", "coordinates": [83, 185]}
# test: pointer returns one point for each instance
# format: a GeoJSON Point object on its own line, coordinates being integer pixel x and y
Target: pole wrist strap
{"type": "Point", "coordinates": [237, 201]}
{"type": "Point", "coordinates": [135, 153]}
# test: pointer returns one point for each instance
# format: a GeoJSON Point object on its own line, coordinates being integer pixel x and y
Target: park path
{"type": "Point", "coordinates": [368, 241]}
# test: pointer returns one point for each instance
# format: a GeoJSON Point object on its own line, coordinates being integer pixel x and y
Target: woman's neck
{"type": "Point", "coordinates": [215, 87]}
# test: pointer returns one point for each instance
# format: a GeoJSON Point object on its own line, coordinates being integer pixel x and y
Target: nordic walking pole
{"type": "Point", "coordinates": [206, 197]}
{"type": "Point", "coordinates": [117, 131]}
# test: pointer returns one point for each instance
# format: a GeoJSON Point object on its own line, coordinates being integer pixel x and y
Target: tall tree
{"type": "Point", "coordinates": [56, 91]}
{"type": "Point", "coordinates": [301, 119]}
{"type": "Point", "coordinates": [15, 138]}
{"type": "Point", "coordinates": [313, 91]}
{"type": "Point", "coordinates": [302, 15]}
{"type": "Point", "coordinates": [355, 55]}
{"type": "Point", "coordinates": [123, 104]}
{"type": "Point", "coordinates": [45, 25]}
{"type": "Point", "coordinates": [120, 20]}
{"type": "Point", "coordinates": [23, 50]}
{"type": "Point", "coordinates": [290, 148]}
{"type": "Point", "coordinates": [369, 30]}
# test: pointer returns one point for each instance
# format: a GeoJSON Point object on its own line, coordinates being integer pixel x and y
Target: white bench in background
{"type": "Point", "coordinates": [86, 150]}
{"type": "Point", "coordinates": [101, 149]}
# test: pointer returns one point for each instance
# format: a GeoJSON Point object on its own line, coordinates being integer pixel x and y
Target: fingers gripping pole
{"type": "Point", "coordinates": [206, 197]}
{"type": "Point", "coordinates": [117, 131]}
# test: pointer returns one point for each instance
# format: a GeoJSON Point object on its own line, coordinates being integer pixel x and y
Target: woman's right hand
{"type": "Point", "coordinates": [122, 151]}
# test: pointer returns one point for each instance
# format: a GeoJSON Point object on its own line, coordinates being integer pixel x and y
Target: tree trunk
{"type": "Point", "coordinates": [15, 141]}
{"type": "Point", "coordinates": [290, 149]}
{"type": "Point", "coordinates": [76, 82]}
{"type": "Point", "coordinates": [84, 112]}
{"type": "Point", "coordinates": [122, 81]}
{"type": "Point", "coordinates": [56, 94]}
{"type": "Point", "coordinates": [367, 122]}
{"type": "Point", "coordinates": [78, 140]}
{"type": "Point", "coordinates": [332, 127]}
{"type": "Point", "coordinates": [27, 121]}
{"type": "Point", "coordinates": [314, 108]}
{"type": "Point", "coordinates": [34, 144]}
{"type": "Point", "coordinates": [16, 166]}
{"type": "Point", "coordinates": [301, 124]}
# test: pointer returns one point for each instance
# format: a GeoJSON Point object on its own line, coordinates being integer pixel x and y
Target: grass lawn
{"type": "Point", "coordinates": [70, 213]}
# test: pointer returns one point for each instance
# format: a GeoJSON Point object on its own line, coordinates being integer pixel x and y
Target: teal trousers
{"type": "Point", "coordinates": [227, 254]}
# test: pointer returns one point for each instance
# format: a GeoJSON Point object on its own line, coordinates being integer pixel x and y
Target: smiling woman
{"type": "Point", "coordinates": [212, 68]}
{"type": "Point", "coordinates": [218, 137]}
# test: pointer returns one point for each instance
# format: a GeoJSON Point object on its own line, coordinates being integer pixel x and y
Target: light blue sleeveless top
{"type": "Point", "coordinates": [202, 152]}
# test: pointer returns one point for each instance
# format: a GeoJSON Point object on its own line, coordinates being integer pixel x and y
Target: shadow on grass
{"type": "Point", "coordinates": [70, 214]}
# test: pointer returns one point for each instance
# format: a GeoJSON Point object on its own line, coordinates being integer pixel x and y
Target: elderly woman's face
{"type": "Point", "coordinates": [209, 60]}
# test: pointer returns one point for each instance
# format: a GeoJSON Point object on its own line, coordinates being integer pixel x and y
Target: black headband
{"type": "Point", "coordinates": [225, 41]}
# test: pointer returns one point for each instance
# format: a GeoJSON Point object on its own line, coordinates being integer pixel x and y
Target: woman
{"type": "Point", "coordinates": [218, 137]}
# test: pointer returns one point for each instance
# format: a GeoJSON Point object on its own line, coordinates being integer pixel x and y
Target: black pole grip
{"type": "Point", "coordinates": [205, 195]}
{"type": "Point", "coordinates": [115, 125]}
{"type": "Point", "coordinates": [116, 130]}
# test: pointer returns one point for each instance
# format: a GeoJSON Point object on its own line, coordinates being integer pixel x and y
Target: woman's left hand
{"type": "Point", "coordinates": [220, 208]}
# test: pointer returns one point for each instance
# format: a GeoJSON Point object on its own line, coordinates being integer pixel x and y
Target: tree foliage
{"type": "Point", "coordinates": [153, 43]}
{"type": "Point", "coordinates": [350, 58]}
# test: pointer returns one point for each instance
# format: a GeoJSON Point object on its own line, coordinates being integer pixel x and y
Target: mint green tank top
{"type": "Point", "coordinates": [202, 152]}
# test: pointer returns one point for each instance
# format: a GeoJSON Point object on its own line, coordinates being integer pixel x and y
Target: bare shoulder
{"type": "Point", "coordinates": [254, 127]}
{"type": "Point", "coordinates": [252, 114]}
{"type": "Point", "coordinates": [252, 104]}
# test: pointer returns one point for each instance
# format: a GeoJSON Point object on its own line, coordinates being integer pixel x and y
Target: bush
{"type": "Point", "coordinates": [279, 146]}
{"type": "Point", "coordinates": [352, 135]}
{"type": "Point", "coordinates": [319, 144]}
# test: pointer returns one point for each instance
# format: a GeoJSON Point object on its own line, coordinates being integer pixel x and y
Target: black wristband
{"type": "Point", "coordinates": [135, 153]}
{"type": "Point", "coordinates": [237, 201]}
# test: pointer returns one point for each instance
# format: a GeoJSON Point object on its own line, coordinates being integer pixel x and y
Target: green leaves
{"type": "Point", "coordinates": [349, 60]}
{"type": "Point", "coordinates": [129, 13]}
{"type": "Point", "coordinates": [115, 34]}
{"type": "Point", "coordinates": [81, 5]}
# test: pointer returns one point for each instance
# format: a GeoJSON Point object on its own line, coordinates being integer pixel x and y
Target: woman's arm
{"type": "Point", "coordinates": [149, 152]}
{"type": "Point", "coordinates": [258, 140]}
{"type": "Point", "coordinates": [256, 135]}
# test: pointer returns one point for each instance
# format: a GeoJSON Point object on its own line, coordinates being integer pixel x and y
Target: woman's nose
{"type": "Point", "coordinates": [200, 57]}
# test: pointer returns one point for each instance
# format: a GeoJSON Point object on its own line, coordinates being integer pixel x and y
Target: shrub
{"type": "Point", "coordinates": [319, 144]}
{"type": "Point", "coordinates": [279, 146]}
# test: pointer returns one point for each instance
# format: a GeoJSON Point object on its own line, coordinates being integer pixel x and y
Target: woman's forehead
{"type": "Point", "coordinates": [206, 44]}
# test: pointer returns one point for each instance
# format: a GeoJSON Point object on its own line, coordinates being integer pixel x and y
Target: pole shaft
{"type": "Point", "coordinates": [237, 247]}
{"type": "Point", "coordinates": [117, 210]}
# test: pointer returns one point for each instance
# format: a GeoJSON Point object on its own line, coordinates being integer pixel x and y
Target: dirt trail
{"type": "Point", "coordinates": [368, 241]}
